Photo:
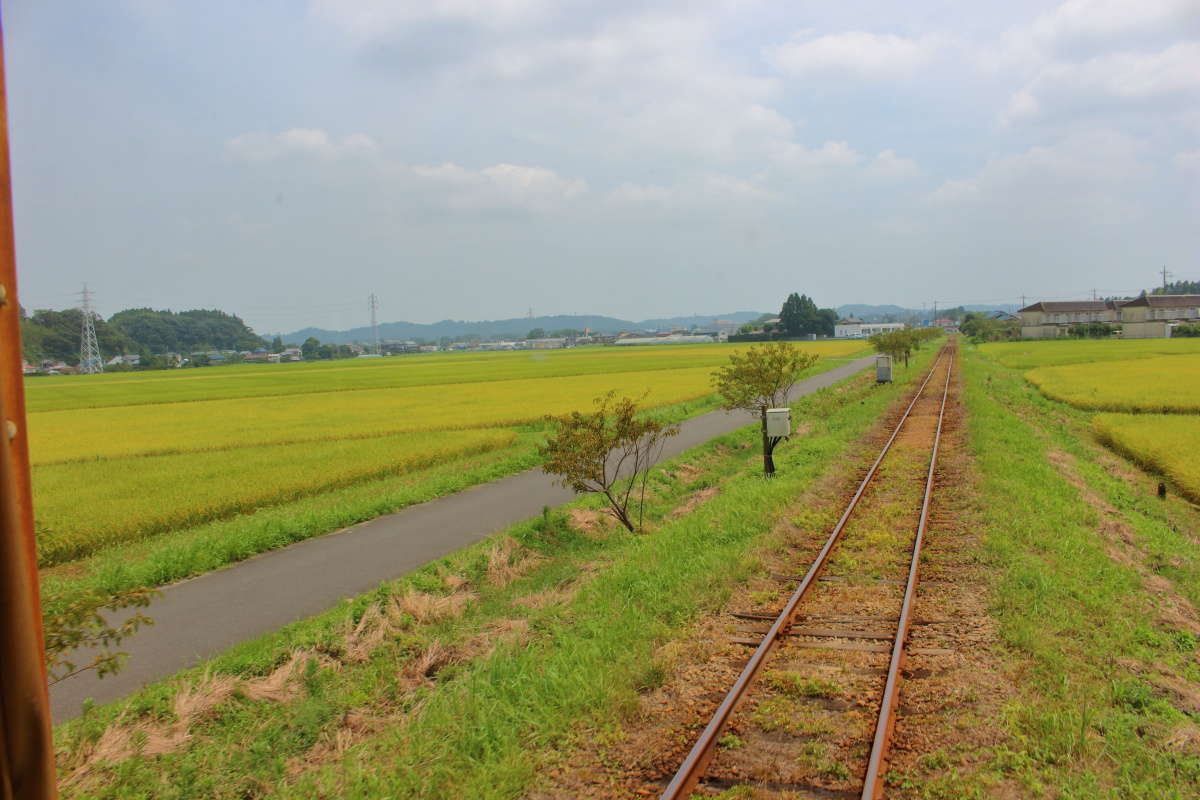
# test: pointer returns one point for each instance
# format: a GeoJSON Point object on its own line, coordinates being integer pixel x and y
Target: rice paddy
{"type": "Point", "coordinates": [1149, 389]}
{"type": "Point", "coordinates": [1168, 384]}
{"type": "Point", "coordinates": [122, 457]}
{"type": "Point", "coordinates": [434, 369]}
{"type": "Point", "coordinates": [1030, 354]}
{"type": "Point", "coordinates": [1163, 443]}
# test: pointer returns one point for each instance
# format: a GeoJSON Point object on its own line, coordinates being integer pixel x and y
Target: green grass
{"type": "Point", "coordinates": [484, 727]}
{"type": "Point", "coordinates": [1082, 627]}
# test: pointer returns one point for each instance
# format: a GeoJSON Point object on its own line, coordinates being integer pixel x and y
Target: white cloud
{"type": "Point", "coordinates": [1171, 75]}
{"type": "Point", "coordinates": [1080, 23]}
{"type": "Point", "coordinates": [705, 192]}
{"type": "Point", "coordinates": [831, 154]}
{"type": "Point", "coordinates": [1085, 176]}
{"type": "Point", "coordinates": [500, 186]}
{"type": "Point", "coordinates": [864, 55]}
{"type": "Point", "coordinates": [367, 19]}
{"type": "Point", "coordinates": [300, 142]}
{"type": "Point", "coordinates": [889, 165]}
{"type": "Point", "coordinates": [1188, 160]}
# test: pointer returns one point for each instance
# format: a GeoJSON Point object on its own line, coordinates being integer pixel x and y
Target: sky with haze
{"type": "Point", "coordinates": [473, 159]}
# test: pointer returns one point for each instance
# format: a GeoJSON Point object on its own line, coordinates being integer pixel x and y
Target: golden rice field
{"type": "Point", "coordinates": [1166, 443]}
{"type": "Point", "coordinates": [1030, 354]}
{"type": "Point", "coordinates": [142, 496]}
{"type": "Point", "coordinates": [124, 456]}
{"type": "Point", "coordinates": [125, 431]}
{"type": "Point", "coordinates": [1168, 384]}
{"type": "Point", "coordinates": [268, 380]}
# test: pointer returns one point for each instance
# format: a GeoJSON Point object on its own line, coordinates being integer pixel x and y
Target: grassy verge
{"type": "Point", "coordinates": [186, 552]}
{"type": "Point", "coordinates": [561, 628]}
{"type": "Point", "coordinates": [1096, 581]}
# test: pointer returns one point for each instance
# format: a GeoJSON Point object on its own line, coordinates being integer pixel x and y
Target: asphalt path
{"type": "Point", "coordinates": [198, 618]}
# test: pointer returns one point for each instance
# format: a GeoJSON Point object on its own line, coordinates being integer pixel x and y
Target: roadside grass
{"type": "Point", "coordinates": [140, 497]}
{"type": "Point", "coordinates": [1162, 443]}
{"type": "Point", "coordinates": [257, 380]}
{"type": "Point", "coordinates": [481, 724]}
{"type": "Point", "coordinates": [1156, 385]}
{"type": "Point", "coordinates": [1039, 353]}
{"type": "Point", "coordinates": [1096, 579]}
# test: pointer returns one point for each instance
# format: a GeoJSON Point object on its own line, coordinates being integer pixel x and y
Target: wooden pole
{"type": "Point", "coordinates": [26, 748]}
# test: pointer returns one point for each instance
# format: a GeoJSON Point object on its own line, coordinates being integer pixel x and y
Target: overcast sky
{"type": "Point", "coordinates": [471, 159]}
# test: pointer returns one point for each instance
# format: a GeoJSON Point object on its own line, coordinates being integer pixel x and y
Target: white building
{"type": "Point", "coordinates": [853, 328]}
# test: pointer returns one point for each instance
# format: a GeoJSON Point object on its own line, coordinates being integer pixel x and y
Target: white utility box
{"type": "Point", "coordinates": [779, 422]}
{"type": "Point", "coordinates": [883, 369]}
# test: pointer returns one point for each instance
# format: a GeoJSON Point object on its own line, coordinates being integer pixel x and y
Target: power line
{"type": "Point", "coordinates": [90, 361]}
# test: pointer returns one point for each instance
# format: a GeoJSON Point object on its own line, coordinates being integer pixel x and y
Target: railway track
{"type": "Point", "coordinates": [820, 626]}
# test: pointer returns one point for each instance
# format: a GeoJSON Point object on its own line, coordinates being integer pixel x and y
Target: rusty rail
{"type": "Point", "coordinates": [873, 783]}
{"type": "Point", "coordinates": [692, 769]}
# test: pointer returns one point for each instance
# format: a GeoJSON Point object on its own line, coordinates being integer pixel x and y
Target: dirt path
{"type": "Point", "coordinates": [198, 618]}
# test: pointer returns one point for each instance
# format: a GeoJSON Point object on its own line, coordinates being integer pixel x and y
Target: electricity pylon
{"type": "Point", "coordinates": [90, 361]}
{"type": "Point", "coordinates": [373, 305]}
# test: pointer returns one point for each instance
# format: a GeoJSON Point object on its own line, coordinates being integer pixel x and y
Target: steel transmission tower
{"type": "Point", "coordinates": [90, 361]}
{"type": "Point", "coordinates": [373, 305]}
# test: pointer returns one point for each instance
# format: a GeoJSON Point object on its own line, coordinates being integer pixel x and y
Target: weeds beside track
{"type": "Point", "coordinates": [888, 493]}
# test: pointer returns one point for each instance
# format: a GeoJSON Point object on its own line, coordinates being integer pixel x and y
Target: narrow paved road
{"type": "Point", "coordinates": [200, 617]}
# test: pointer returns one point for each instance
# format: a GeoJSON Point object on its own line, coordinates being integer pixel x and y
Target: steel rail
{"type": "Point", "coordinates": [692, 769]}
{"type": "Point", "coordinates": [873, 783]}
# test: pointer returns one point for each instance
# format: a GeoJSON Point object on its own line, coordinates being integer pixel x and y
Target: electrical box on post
{"type": "Point", "coordinates": [779, 422]}
{"type": "Point", "coordinates": [883, 369]}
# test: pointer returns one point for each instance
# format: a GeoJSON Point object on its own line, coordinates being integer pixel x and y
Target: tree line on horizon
{"type": "Point", "coordinates": [49, 334]}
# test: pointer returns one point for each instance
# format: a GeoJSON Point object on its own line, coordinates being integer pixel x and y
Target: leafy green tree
{"type": "Point", "coordinates": [184, 331]}
{"type": "Point", "coordinates": [595, 452]}
{"type": "Point", "coordinates": [310, 348]}
{"type": "Point", "coordinates": [48, 334]}
{"type": "Point", "coordinates": [276, 344]}
{"type": "Point", "coordinates": [897, 344]}
{"type": "Point", "coordinates": [536, 333]}
{"type": "Point", "coordinates": [760, 378]}
{"type": "Point", "coordinates": [801, 317]}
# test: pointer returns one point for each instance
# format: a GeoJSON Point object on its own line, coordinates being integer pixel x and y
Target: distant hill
{"type": "Point", "coordinates": [516, 327]}
{"type": "Point", "coordinates": [884, 313]}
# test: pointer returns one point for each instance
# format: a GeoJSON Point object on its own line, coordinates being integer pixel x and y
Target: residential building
{"type": "Point", "coordinates": [552, 343]}
{"type": "Point", "coordinates": [1045, 320]}
{"type": "Point", "coordinates": [1152, 316]}
{"type": "Point", "coordinates": [855, 328]}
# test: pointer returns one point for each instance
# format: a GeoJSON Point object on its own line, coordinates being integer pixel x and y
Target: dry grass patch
{"type": "Point", "coordinates": [121, 741]}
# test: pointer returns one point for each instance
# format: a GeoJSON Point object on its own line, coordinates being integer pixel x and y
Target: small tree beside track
{"type": "Point", "coordinates": [593, 452]}
{"type": "Point", "coordinates": [761, 378]}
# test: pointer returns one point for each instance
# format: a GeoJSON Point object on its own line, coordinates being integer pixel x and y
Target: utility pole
{"type": "Point", "coordinates": [373, 306]}
{"type": "Point", "coordinates": [90, 361]}
{"type": "Point", "coordinates": [1093, 295]}
{"type": "Point", "coordinates": [1165, 274]}
{"type": "Point", "coordinates": [1023, 301]}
